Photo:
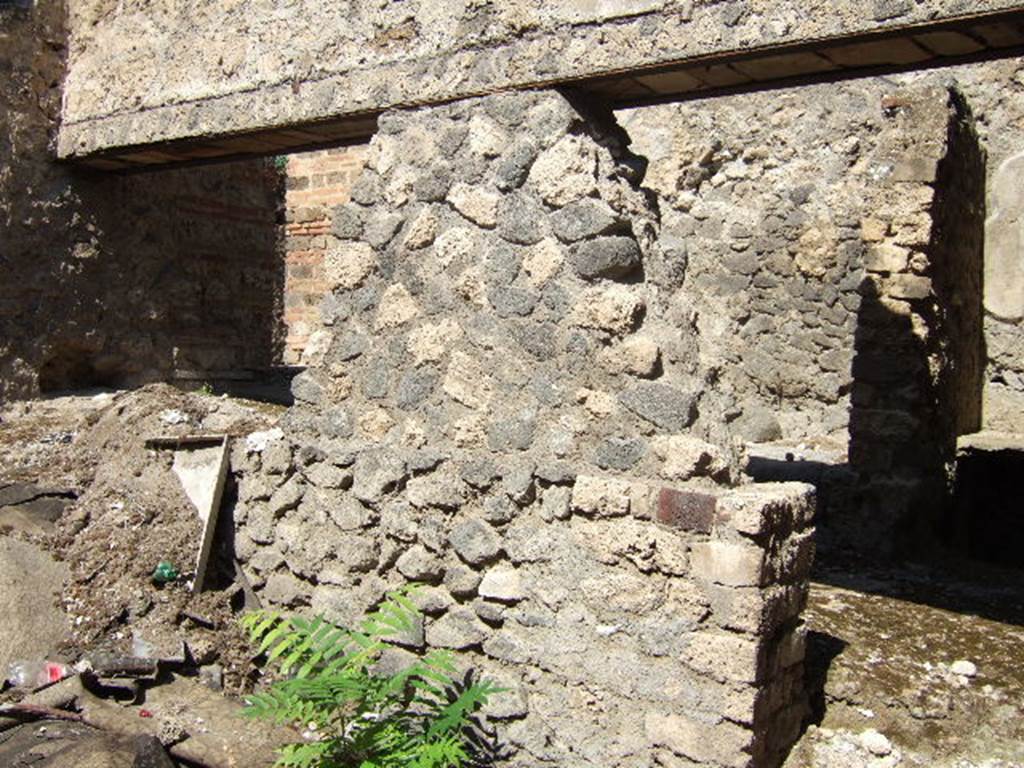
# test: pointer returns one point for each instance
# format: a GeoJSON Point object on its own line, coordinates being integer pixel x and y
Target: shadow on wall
{"type": "Point", "coordinates": [917, 370]}
{"type": "Point", "coordinates": [181, 278]}
{"type": "Point", "coordinates": [122, 280]}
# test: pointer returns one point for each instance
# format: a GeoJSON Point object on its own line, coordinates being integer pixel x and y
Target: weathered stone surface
{"type": "Point", "coordinates": [503, 584]}
{"type": "Point", "coordinates": [512, 433]}
{"type": "Point", "coordinates": [417, 564]}
{"type": "Point", "coordinates": [734, 565]}
{"type": "Point", "coordinates": [477, 204]}
{"type": "Point", "coordinates": [375, 474]}
{"type": "Point", "coordinates": [583, 219]}
{"type": "Point", "coordinates": [660, 404]}
{"type": "Point", "coordinates": [422, 230]}
{"type": "Point", "coordinates": [695, 740]}
{"type": "Point", "coordinates": [686, 457]}
{"type": "Point", "coordinates": [283, 588]}
{"type": "Point", "coordinates": [458, 629]}
{"type": "Point", "coordinates": [521, 219]}
{"type": "Point", "coordinates": [615, 310]}
{"type": "Point", "coordinates": [348, 264]}
{"type": "Point", "coordinates": [606, 257]}
{"type": "Point", "coordinates": [565, 172]}
{"type": "Point", "coordinates": [1004, 267]}
{"type": "Point", "coordinates": [396, 308]}
{"type": "Point", "coordinates": [443, 490]}
{"type": "Point", "coordinates": [475, 541]}
{"type": "Point", "coordinates": [636, 355]}
{"type": "Point", "coordinates": [461, 581]}
{"type": "Point", "coordinates": [620, 453]}
{"type": "Point", "coordinates": [603, 497]}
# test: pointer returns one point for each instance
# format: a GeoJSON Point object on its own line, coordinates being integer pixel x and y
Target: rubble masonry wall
{"type": "Point", "coordinates": [764, 195]}
{"type": "Point", "coordinates": [768, 193]}
{"type": "Point", "coordinates": [509, 411]}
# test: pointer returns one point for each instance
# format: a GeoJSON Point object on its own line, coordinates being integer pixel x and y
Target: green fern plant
{"type": "Point", "coordinates": [418, 717]}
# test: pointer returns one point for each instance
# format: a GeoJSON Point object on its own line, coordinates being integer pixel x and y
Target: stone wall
{"type": "Point", "coordinates": [121, 280]}
{"type": "Point", "coordinates": [803, 155]}
{"type": "Point", "coordinates": [764, 181]}
{"type": "Point", "coordinates": [316, 182]}
{"type": "Point", "coordinates": [511, 410]}
{"type": "Point", "coordinates": [136, 75]}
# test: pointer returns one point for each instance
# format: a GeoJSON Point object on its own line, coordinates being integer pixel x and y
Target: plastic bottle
{"type": "Point", "coordinates": [35, 674]}
{"type": "Point", "coordinates": [165, 572]}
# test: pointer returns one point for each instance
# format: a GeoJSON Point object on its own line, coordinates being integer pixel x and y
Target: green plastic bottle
{"type": "Point", "coordinates": [165, 572]}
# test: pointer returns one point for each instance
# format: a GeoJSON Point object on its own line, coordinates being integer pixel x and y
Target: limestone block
{"type": "Point", "coordinates": [397, 307]}
{"type": "Point", "coordinates": [456, 245]}
{"type": "Point", "coordinates": [422, 230]}
{"type": "Point", "coordinates": [910, 287]}
{"type": "Point", "coordinates": [565, 172]}
{"type": "Point", "coordinates": [433, 601]}
{"type": "Point", "coordinates": [615, 310]}
{"type": "Point", "coordinates": [375, 474]}
{"type": "Point", "coordinates": [287, 496]}
{"type": "Point", "coordinates": [793, 560]}
{"type": "Point", "coordinates": [502, 583]}
{"type": "Point", "coordinates": [1004, 242]}
{"type": "Point", "coordinates": [478, 204]}
{"type": "Point", "coordinates": [756, 610]}
{"type": "Point", "coordinates": [468, 382]}
{"type": "Point", "coordinates": [873, 230]}
{"type": "Point", "coordinates": [765, 508]}
{"type": "Point", "coordinates": [787, 650]}
{"type": "Point", "coordinates": [685, 457]}
{"type": "Point", "coordinates": [347, 513]}
{"type": "Point", "coordinates": [431, 342]}
{"type": "Point", "coordinates": [555, 504]}
{"type": "Point", "coordinates": [542, 261]}
{"type": "Point", "coordinates": [725, 656]}
{"type": "Point", "coordinates": [441, 490]}
{"type": "Point", "coordinates": [283, 588]}
{"type": "Point", "coordinates": [601, 496]}
{"type": "Point", "coordinates": [458, 629]}
{"type": "Point", "coordinates": [636, 355]}
{"type": "Point", "coordinates": [417, 564]}
{"type": "Point", "coordinates": [886, 257]}
{"type": "Point", "coordinates": [347, 264]}
{"type": "Point", "coordinates": [461, 581]}
{"type": "Point", "coordinates": [735, 565]}
{"type": "Point", "coordinates": [486, 137]}
{"type": "Point", "coordinates": [721, 743]}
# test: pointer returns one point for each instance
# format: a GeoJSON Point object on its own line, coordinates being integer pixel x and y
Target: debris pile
{"type": "Point", "coordinates": [151, 591]}
{"type": "Point", "coordinates": [135, 524]}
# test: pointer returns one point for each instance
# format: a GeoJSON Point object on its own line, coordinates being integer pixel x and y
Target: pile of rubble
{"type": "Point", "coordinates": [126, 596]}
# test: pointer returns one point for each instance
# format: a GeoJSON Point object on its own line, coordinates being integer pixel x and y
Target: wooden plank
{"type": "Point", "coordinates": [949, 43]}
{"type": "Point", "coordinates": [681, 81]}
{"type": "Point", "coordinates": [878, 53]}
{"type": "Point", "coordinates": [786, 65]}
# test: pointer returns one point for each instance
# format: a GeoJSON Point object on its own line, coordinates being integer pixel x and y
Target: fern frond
{"type": "Point", "coordinates": [453, 716]}
{"type": "Point", "coordinates": [422, 716]}
{"type": "Point", "coordinates": [308, 755]}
